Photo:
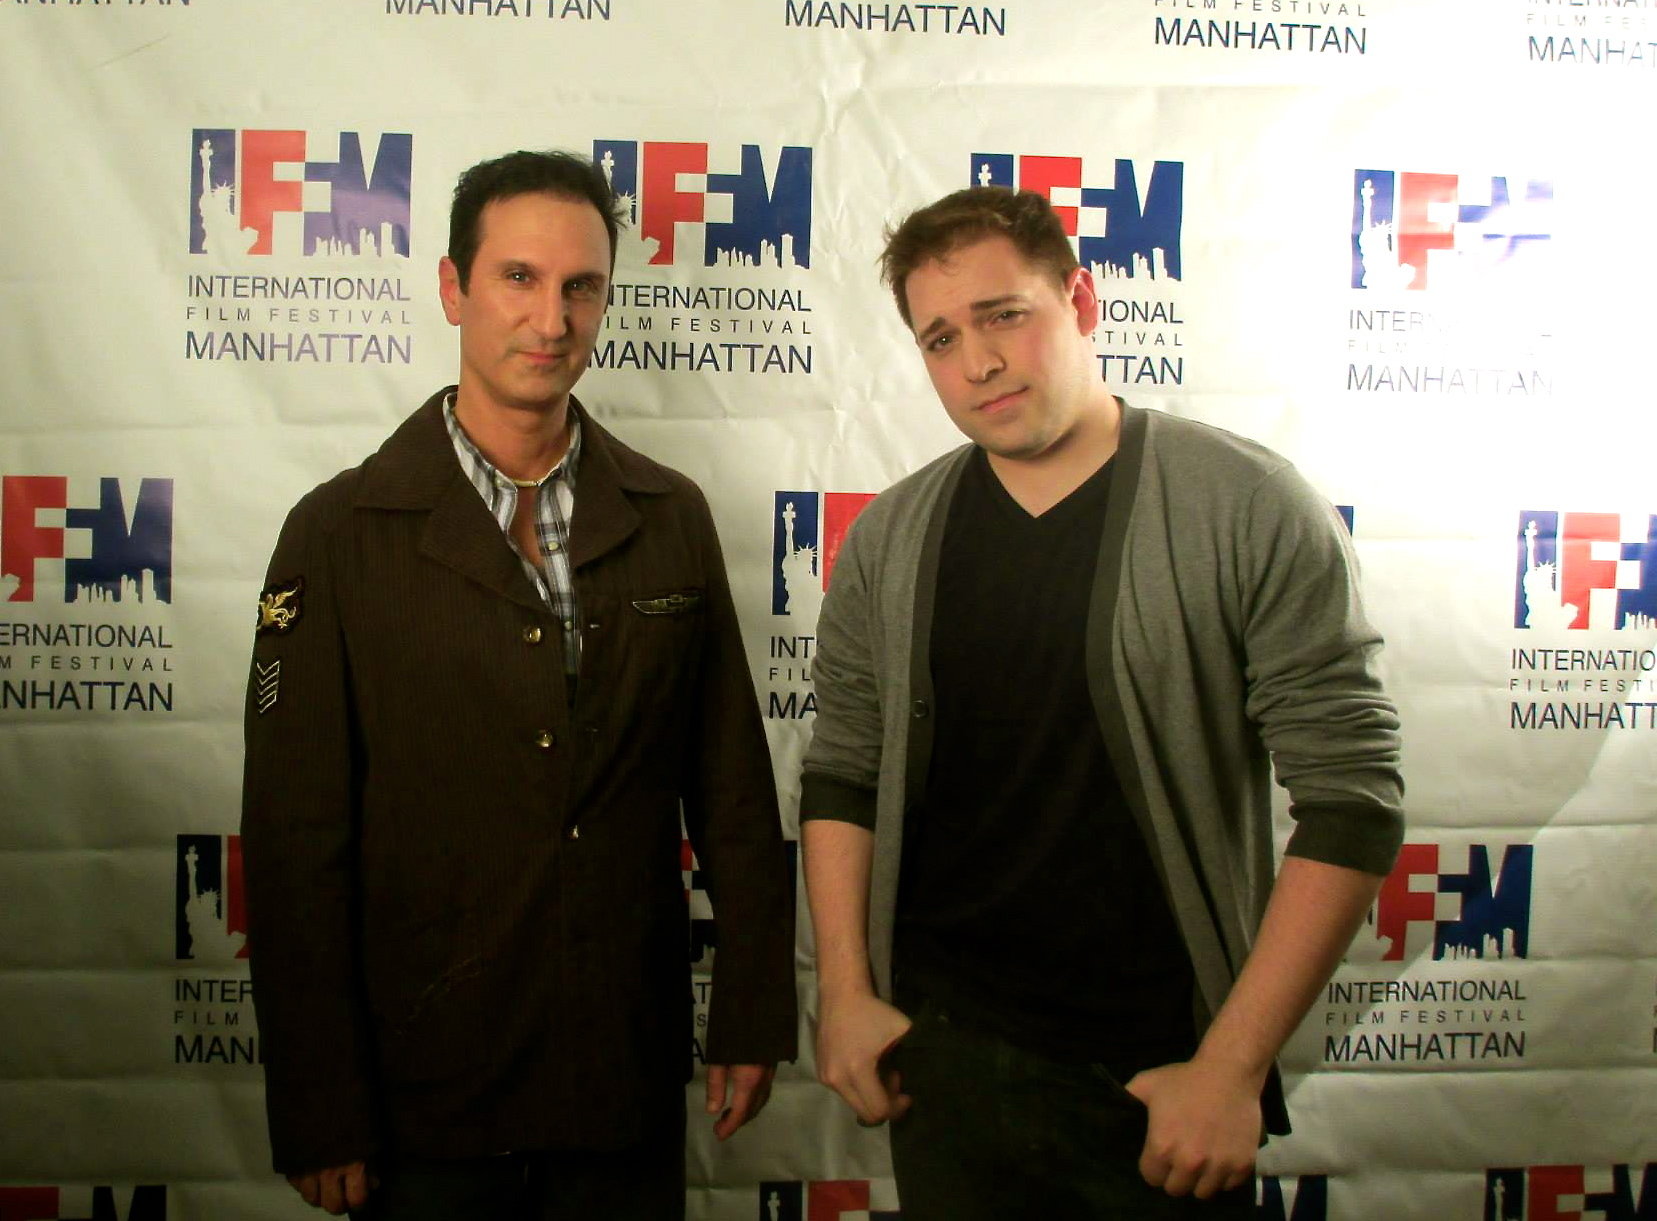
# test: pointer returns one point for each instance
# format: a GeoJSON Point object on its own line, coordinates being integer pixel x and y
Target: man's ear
{"type": "Point", "coordinates": [1084, 299]}
{"type": "Point", "coordinates": [449, 290]}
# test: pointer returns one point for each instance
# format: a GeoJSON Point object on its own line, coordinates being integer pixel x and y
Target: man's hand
{"type": "Point", "coordinates": [1204, 1127]}
{"type": "Point", "coordinates": [334, 1190]}
{"type": "Point", "coordinates": [853, 1033]}
{"type": "Point", "coordinates": [855, 1028]}
{"type": "Point", "coordinates": [1205, 1118]}
{"type": "Point", "coordinates": [748, 1087]}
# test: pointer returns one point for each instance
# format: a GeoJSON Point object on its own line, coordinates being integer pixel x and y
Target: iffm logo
{"type": "Point", "coordinates": [1471, 908]}
{"type": "Point", "coordinates": [148, 1203]}
{"type": "Point", "coordinates": [749, 214]}
{"type": "Point", "coordinates": [109, 538]}
{"type": "Point", "coordinates": [829, 1201]}
{"type": "Point", "coordinates": [1586, 570]}
{"type": "Point", "coordinates": [808, 529]}
{"type": "Point", "coordinates": [211, 907]}
{"type": "Point", "coordinates": [1117, 230]}
{"type": "Point", "coordinates": [1570, 1193]}
{"type": "Point", "coordinates": [299, 193]}
{"type": "Point", "coordinates": [1420, 231]}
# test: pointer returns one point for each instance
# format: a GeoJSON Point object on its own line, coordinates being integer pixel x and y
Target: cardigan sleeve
{"type": "Point", "coordinates": [1313, 685]}
{"type": "Point", "coordinates": [842, 764]}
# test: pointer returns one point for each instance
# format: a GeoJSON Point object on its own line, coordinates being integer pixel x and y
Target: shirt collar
{"type": "Point", "coordinates": [471, 457]}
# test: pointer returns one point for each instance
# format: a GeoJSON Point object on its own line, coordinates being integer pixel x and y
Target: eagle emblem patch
{"type": "Point", "coordinates": [280, 606]}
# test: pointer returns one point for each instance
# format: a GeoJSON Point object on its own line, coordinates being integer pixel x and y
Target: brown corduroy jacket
{"type": "Point", "coordinates": [467, 918]}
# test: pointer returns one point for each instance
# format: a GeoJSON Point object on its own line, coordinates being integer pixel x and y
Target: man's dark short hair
{"type": "Point", "coordinates": [1022, 217]}
{"type": "Point", "coordinates": [564, 175]}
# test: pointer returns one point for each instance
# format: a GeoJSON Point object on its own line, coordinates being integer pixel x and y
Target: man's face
{"type": "Point", "coordinates": [530, 313]}
{"type": "Point", "coordinates": [1008, 346]}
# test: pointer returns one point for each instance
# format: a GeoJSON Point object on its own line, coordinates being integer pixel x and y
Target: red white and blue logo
{"type": "Point", "coordinates": [1287, 1198]}
{"type": "Point", "coordinates": [146, 1203]}
{"type": "Point", "coordinates": [1442, 231]}
{"type": "Point", "coordinates": [1119, 230]}
{"type": "Point", "coordinates": [703, 935]}
{"type": "Point", "coordinates": [1570, 1193]}
{"type": "Point", "coordinates": [852, 1199]}
{"type": "Point", "coordinates": [808, 530]}
{"type": "Point", "coordinates": [210, 908]}
{"type": "Point", "coordinates": [742, 206]}
{"type": "Point", "coordinates": [297, 193]}
{"type": "Point", "coordinates": [1586, 570]}
{"type": "Point", "coordinates": [1471, 901]}
{"type": "Point", "coordinates": [110, 538]}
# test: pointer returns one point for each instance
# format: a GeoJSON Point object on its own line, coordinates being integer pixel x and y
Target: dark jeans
{"type": "Point", "coordinates": [997, 1133]}
{"type": "Point", "coordinates": [645, 1182]}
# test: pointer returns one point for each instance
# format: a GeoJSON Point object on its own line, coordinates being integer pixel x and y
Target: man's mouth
{"type": "Point", "coordinates": [1001, 401]}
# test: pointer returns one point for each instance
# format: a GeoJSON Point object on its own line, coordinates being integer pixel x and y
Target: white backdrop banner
{"type": "Point", "coordinates": [1402, 242]}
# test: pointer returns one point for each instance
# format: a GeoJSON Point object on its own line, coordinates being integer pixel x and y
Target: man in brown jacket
{"type": "Point", "coordinates": [493, 664]}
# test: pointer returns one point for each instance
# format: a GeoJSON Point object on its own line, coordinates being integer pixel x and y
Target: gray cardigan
{"type": "Point", "coordinates": [1224, 636]}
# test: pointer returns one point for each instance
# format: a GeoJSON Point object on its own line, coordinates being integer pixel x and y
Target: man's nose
{"type": "Point", "coordinates": [980, 358]}
{"type": "Point", "coordinates": [551, 315]}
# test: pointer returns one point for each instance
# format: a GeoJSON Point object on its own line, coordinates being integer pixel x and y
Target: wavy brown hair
{"type": "Point", "coordinates": [1022, 217]}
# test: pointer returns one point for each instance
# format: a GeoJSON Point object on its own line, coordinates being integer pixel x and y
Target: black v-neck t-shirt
{"type": "Point", "coordinates": [1028, 897]}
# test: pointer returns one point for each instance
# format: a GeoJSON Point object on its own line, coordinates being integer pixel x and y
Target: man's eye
{"type": "Point", "coordinates": [518, 276]}
{"type": "Point", "coordinates": [1008, 315]}
{"type": "Point", "coordinates": [582, 288]}
{"type": "Point", "coordinates": [939, 343]}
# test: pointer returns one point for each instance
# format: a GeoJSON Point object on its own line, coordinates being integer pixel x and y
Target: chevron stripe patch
{"type": "Point", "coordinates": [266, 682]}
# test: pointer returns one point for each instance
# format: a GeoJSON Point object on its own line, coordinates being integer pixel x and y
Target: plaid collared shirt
{"type": "Point", "coordinates": [548, 571]}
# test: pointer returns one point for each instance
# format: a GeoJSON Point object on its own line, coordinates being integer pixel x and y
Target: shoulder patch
{"type": "Point", "coordinates": [280, 606]}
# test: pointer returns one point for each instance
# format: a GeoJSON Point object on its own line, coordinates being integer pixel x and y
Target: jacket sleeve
{"type": "Point", "coordinates": [841, 775]}
{"type": "Point", "coordinates": [731, 816]}
{"type": "Point", "coordinates": [1313, 684]}
{"type": "Point", "coordinates": [299, 841]}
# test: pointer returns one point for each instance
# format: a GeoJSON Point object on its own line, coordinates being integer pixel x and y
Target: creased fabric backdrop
{"type": "Point", "coordinates": [1406, 243]}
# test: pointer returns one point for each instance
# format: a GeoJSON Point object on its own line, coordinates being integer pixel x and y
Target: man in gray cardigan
{"type": "Point", "coordinates": [1056, 670]}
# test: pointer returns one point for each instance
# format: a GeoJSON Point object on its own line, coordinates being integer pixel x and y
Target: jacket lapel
{"type": "Point", "coordinates": [604, 515]}
{"type": "Point", "coordinates": [416, 471]}
{"type": "Point", "coordinates": [461, 534]}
